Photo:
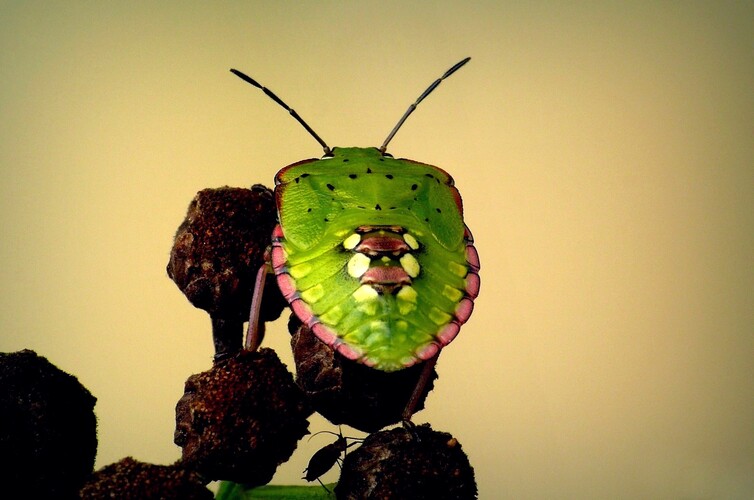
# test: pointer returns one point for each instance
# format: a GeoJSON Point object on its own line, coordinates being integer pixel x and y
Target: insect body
{"type": "Point", "coordinates": [325, 458]}
{"type": "Point", "coordinates": [372, 252]}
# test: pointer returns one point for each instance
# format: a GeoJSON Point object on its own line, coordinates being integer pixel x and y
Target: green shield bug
{"type": "Point", "coordinates": [372, 252]}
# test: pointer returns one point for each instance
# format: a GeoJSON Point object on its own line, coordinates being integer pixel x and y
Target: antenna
{"type": "Point", "coordinates": [292, 111]}
{"type": "Point", "coordinates": [411, 108]}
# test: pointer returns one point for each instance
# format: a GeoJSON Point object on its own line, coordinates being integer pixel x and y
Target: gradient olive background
{"type": "Point", "coordinates": [605, 153]}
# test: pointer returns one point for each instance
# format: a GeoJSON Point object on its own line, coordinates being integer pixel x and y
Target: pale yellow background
{"type": "Point", "coordinates": [605, 153]}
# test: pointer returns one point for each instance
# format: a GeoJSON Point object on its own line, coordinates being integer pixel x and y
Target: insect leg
{"type": "Point", "coordinates": [421, 384]}
{"type": "Point", "coordinates": [256, 328]}
{"type": "Point", "coordinates": [325, 487]}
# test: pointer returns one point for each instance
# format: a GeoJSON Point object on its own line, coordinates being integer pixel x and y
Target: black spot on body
{"type": "Point", "coordinates": [369, 170]}
{"type": "Point", "coordinates": [429, 175]}
{"type": "Point", "coordinates": [414, 187]}
{"type": "Point", "coordinates": [377, 207]}
{"type": "Point", "coordinates": [352, 176]}
{"type": "Point", "coordinates": [304, 175]}
{"type": "Point", "coordinates": [345, 160]}
{"type": "Point", "coordinates": [308, 210]}
{"type": "Point", "coordinates": [331, 187]}
{"type": "Point", "coordinates": [389, 176]}
{"type": "Point", "coordinates": [438, 210]}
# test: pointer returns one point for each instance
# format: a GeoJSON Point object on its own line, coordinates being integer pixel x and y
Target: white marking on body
{"type": "Point", "coordinates": [358, 265]}
{"type": "Point", "coordinates": [300, 270]}
{"type": "Point", "coordinates": [351, 242]}
{"type": "Point", "coordinates": [410, 265]}
{"type": "Point", "coordinates": [408, 294]}
{"type": "Point", "coordinates": [458, 269]}
{"type": "Point", "coordinates": [333, 316]}
{"type": "Point", "coordinates": [411, 241]}
{"type": "Point", "coordinates": [379, 328]}
{"type": "Point", "coordinates": [439, 317]}
{"type": "Point", "coordinates": [313, 294]}
{"type": "Point", "coordinates": [365, 293]}
{"type": "Point", "coordinates": [406, 300]}
{"type": "Point", "coordinates": [453, 294]}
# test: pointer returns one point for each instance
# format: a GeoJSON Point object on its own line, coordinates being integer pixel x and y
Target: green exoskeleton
{"type": "Point", "coordinates": [372, 252]}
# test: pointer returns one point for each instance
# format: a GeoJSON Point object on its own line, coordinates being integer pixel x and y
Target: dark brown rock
{"type": "Point", "coordinates": [48, 430]}
{"type": "Point", "coordinates": [346, 392]}
{"type": "Point", "coordinates": [216, 254]}
{"type": "Point", "coordinates": [417, 463]}
{"type": "Point", "coordinates": [241, 419]}
{"type": "Point", "coordinates": [130, 479]}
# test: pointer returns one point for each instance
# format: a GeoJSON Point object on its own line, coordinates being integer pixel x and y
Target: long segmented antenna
{"type": "Point", "coordinates": [411, 108]}
{"type": "Point", "coordinates": [292, 111]}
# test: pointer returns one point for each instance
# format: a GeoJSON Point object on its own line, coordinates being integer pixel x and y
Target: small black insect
{"type": "Point", "coordinates": [326, 457]}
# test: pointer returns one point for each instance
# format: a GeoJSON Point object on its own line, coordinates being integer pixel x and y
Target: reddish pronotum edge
{"type": "Point", "coordinates": [301, 309]}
